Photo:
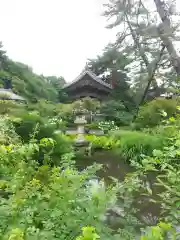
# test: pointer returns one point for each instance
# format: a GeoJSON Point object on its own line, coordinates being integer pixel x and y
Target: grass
{"type": "Point", "coordinates": [133, 143]}
{"type": "Point", "coordinates": [130, 144]}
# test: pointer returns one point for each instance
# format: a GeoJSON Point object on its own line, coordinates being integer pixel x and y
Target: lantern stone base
{"type": "Point", "coordinates": [81, 141]}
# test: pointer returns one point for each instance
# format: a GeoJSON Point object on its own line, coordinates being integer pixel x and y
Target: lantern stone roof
{"type": "Point", "coordinates": [92, 76]}
{"type": "Point", "coordinates": [7, 94]}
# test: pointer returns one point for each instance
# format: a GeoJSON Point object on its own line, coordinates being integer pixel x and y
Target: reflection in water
{"type": "Point", "coordinates": [114, 166]}
{"type": "Point", "coordinates": [94, 185]}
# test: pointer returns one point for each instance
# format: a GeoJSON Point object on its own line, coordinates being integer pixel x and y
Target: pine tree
{"type": "Point", "coordinates": [139, 34]}
{"type": "Point", "coordinates": [3, 57]}
{"type": "Point", "coordinates": [166, 30]}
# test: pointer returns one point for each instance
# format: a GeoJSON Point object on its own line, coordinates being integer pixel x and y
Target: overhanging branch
{"type": "Point", "coordinates": [150, 79]}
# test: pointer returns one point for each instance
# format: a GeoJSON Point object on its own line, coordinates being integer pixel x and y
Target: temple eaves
{"type": "Point", "coordinates": [92, 75]}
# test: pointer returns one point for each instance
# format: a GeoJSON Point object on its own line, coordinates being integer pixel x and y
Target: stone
{"type": "Point", "coordinates": [80, 140]}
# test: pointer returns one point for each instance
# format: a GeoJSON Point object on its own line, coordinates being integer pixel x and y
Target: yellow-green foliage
{"type": "Point", "coordinates": [45, 108]}
{"type": "Point", "coordinates": [44, 202]}
{"type": "Point", "coordinates": [28, 84]}
{"type": "Point", "coordinates": [88, 233]}
{"type": "Point", "coordinates": [7, 132]}
{"type": "Point", "coordinates": [10, 107]}
{"type": "Point", "coordinates": [134, 143]}
{"type": "Point", "coordinates": [102, 142]}
{"type": "Point", "coordinates": [160, 232]}
{"type": "Point", "coordinates": [150, 114]}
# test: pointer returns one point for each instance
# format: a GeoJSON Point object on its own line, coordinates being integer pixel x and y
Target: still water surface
{"type": "Point", "coordinates": [115, 166]}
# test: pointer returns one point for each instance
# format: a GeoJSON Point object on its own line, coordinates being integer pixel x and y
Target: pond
{"type": "Point", "coordinates": [116, 167]}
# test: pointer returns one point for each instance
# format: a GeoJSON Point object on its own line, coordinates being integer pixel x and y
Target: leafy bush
{"type": "Point", "coordinates": [44, 202]}
{"type": "Point", "coordinates": [8, 134]}
{"type": "Point", "coordinates": [10, 107]}
{"type": "Point", "coordinates": [165, 163]}
{"type": "Point", "coordinates": [88, 233]}
{"type": "Point", "coordinates": [90, 104]}
{"type": "Point", "coordinates": [62, 146]}
{"type": "Point", "coordinates": [102, 142]}
{"type": "Point", "coordinates": [114, 110]}
{"type": "Point", "coordinates": [92, 126]}
{"type": "Point", "coordinates": [44, 107]}
{"type": "Point", "coordinates": [66, 113]}
{"type": "Point", "coordinates": [160, 232]}
{"type": "Point", "coordinates": [29, 123]}
{"type": "Point", "coordinates": [150, 114]}
{"type": "Point", "coordinates": [32, 125]}
{"type": "Point", "coordinates": [107, 126]}
{"type": "Point", "coordinates": [133, 144]}
{"type": "Point", "coordinates": [47, 203]}
{"type": "Point", "coordinates": [26, 123]}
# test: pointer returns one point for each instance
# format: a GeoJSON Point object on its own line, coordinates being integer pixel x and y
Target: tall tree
{"type": "Point", "coordinates": [112, 67]}
{"type": "Point", "coordinates": [57, 83]}
{"type": "Point", "coordinates": [3, 57]}
{"type": "Point", "coordinates": [138, 33]}
{"type": "Point", "coordinates": [111, 60]}
{"type": "Point", "coordinates": [165, 10]}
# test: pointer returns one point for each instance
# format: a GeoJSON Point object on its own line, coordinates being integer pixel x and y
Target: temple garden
{"type": "Point", "coordinates": [98, 157]}
{"type": "Point", "coordinates": [70, 170]}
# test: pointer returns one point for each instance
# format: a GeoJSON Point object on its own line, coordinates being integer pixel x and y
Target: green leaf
{"type": "Point", "coordinates": [172, 119]}
{"type": "Point", "coordinates": [157, 153]}
{"type": "Point", "coordinates": [149, 190]}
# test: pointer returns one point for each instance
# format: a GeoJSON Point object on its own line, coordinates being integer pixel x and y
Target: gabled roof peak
{"type": "Point", "coordinates": [92, 75]}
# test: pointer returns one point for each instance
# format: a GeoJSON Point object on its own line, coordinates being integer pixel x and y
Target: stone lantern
{"type": "Point", "coordinates": [80, 121]}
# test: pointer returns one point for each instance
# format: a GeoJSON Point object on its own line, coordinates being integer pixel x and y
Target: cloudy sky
{"type": "Point", "coordinates": [55, 37]}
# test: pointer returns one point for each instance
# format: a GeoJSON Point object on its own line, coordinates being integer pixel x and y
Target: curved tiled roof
{"type": "Point", "coordinates": [92, 75]}
{"type": "Point", "coordinates": [10, 95]}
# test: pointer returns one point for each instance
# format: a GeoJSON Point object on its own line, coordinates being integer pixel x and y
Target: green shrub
{"type": "Point", "coordinates": [32, 125]}
{"type": "Point", "coordinates": [150, 114]}
{"type": "Point", "coordinates": [10, 107]}
{"type": "Point", "coordinates": [7, 132]}
{"type": "Point", "coordinates": [114, 110]}
{"type": "Point", "coordinates": [27, 123]}
{"type": "Point", "coordinates": [48, 203]}
{"type": "Point", "coordinates": [55, 147]}
{"type": "Point", "coordinates": [63, 145]}
{"type": "Point", "coordinates": [106, 126]}
{"type": "Point", "coordinates": [88, 233]}
{"type": "Point", "coordinates": [92, 126]}
{"type": "Point", "coordinates": [102, 142]}
{"type": "Point", "coordinates": [133, 143]}
{"type": "Point", "coordinates": [44, 107]}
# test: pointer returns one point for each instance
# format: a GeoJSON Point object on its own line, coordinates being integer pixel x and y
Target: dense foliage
{"type": "Point", "coordinates": [44, 193]}
{"type": "Point", "coordinates": [151, 114]}
{"type": "Point", "coordinates": [28, 84]}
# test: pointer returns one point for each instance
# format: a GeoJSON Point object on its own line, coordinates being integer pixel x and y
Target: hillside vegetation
{"type": "Point", "coordinates": [26, 83]}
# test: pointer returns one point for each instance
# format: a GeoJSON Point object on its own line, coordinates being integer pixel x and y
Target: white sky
{"type": "Point", "coordinates": [54, 37]}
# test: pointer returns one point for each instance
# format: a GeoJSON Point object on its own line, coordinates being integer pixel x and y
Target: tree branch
{"type": "Point", "coordinates": [150, 79]}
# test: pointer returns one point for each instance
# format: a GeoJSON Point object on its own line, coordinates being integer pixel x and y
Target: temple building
{"type": "Point", "coordinates": [87, 84]}
{"type": "Point", "coordinates": [6, 92]}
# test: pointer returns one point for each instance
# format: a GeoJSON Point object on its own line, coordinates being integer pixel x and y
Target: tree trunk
{"type": "Point", "coordinates": [163, 30]}
{"type": "Point", "coordinates": [150, 79]}
{"type": "Point", "coordinates": [141, 52]}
